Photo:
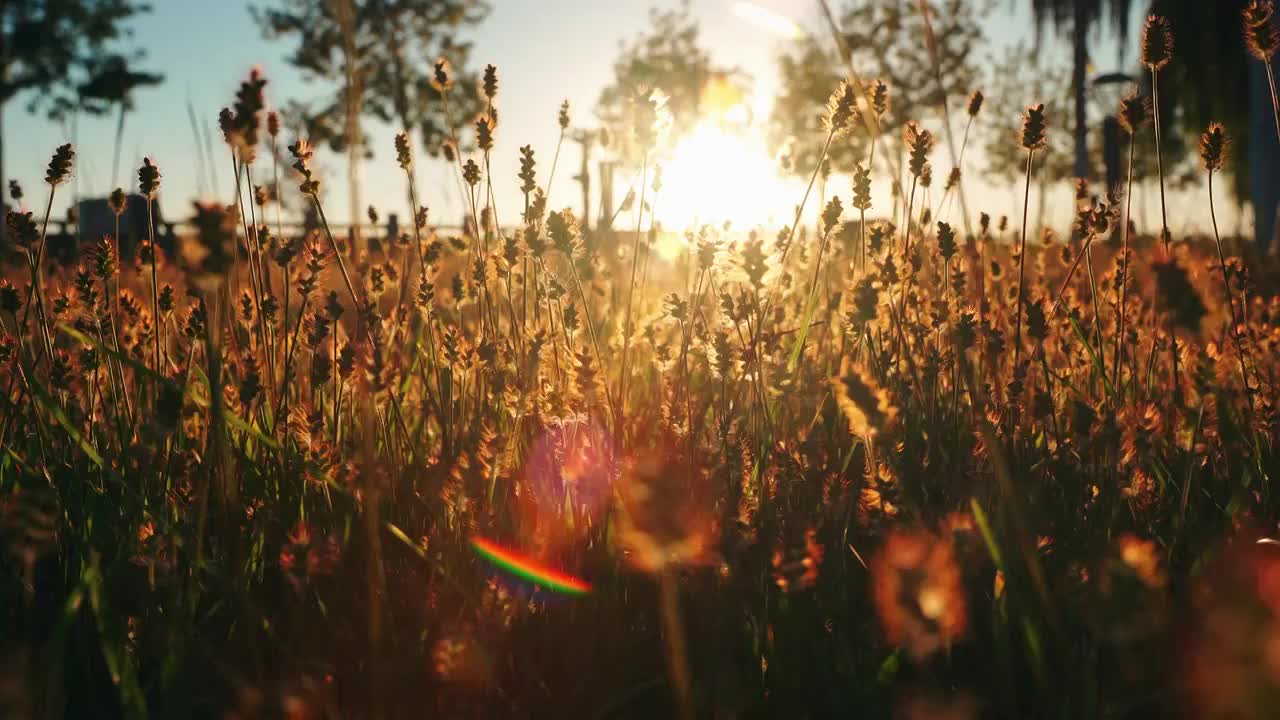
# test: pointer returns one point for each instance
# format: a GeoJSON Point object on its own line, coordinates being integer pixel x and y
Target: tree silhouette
{"type": "Point", "coordinates": [1081, 16]}
{"type": "Point", "coordinates": [887, 41]}
{"type": "Point", "coordinates": [59, 48]}
{"type": "Point", "coordinates": [666, 57]}
{"type": "Point", "coordinates": [380, 56]}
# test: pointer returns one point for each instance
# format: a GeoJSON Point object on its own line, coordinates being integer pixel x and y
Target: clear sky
{"type": "Point", "coordinates": [546, 51]}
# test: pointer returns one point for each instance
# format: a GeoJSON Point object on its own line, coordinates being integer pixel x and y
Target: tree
{"type": "Point", "coordinates": [667, 57]}
{"type": "Point", "coordinates": [111, 85]}
{"type": "Point", "coordinates": [380, 55]}
{"type": "Point", "coordinates": [57, 47]}
{"type": "Point", "coordinates": [885, 40]}
{"type": "Point", "coordinates": [1081, 16]}
{"type": "Point", "coordinates": [1213, 79]}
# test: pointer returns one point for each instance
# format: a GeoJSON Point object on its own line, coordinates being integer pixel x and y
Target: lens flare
{"type": "Point", "coordinates": [767, 19]}
{"type": "Point", "coordinates": [529, 569]}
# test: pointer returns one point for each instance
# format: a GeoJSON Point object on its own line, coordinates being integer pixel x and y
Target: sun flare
{"type": "Point", "coordinates": [721, 172]}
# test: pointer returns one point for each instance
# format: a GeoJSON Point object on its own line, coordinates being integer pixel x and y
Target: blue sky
{"type": "Point", "coordinates": [546, 51]}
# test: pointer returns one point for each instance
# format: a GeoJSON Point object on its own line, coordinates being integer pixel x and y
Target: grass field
{"type": "Point", "coordinates": [841, 468]}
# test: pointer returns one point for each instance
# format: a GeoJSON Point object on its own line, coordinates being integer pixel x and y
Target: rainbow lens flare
{"type": "Point", "coordinates": [529, 569]}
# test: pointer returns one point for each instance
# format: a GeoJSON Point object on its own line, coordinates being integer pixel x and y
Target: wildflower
{"type": "Point", "coordinates": [918, 592]}
{"type": "Point", "coordinates": [842, 107]}
{"type": "Point", "coordinates": [879, 97]}
{"type": "Point", "coordinates": [919, 144]}
{"type": "Point", "coordinates": [471, 172]}
{"type": "Point", "coordinates": [1033, 128]}
{"type": "Point", "coordinates": [1157, 43]}
{"type": "Point", "coordinates": [484, 132]}
{"type": "Point", "coordinates": [861, 187]}
{"type": "Point", "coordinates": [302, 150]}
{"type": "Point", "coordinates": [946, 241]}
{"type": "Point", "coordinates": [665, 521]}
{"type": "Point", "coordinates": [563, 228]}
{"type": "Point", "coordinates": [60, 165]}
{"type": "Point", "coordinates": [564, 115]}
{"type": "Point", "coordinates": [528, 181]}
{"type": "Point", "coordinates": [148, 178]}
{"type": "Point", "coordinates": [442, 76]}
{"type": "Point", "coordinates": [1135, 112]}
{"type": "Point", "coordinates": [975, 103]}
{"type": "Point", "coordinates": [831, 214]}
{"type": "Point", "coordinates": [1214, 144]}
{"type": "Point", "coordinates": [866, 407]}
{"type": "Point", "coordinates": [117, 201]}
{"type": "Point", "coordinates": [1143, 556]}
{"type": "Point", "coordinates": [404, 150]}
{"type": "Point", "coordinates": [22, 229]}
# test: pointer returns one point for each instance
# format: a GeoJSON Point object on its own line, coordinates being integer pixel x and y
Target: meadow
{"type": "Point", "coordinates": [848, 467]}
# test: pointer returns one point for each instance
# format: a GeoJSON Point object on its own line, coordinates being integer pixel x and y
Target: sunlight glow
{"type": "Point", "coordinates": [720, 172]}
{"type": "Point", "coordinates": [767, 19]}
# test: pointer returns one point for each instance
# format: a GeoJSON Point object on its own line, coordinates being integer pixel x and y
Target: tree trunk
{"type": "Point", "coordinates": [4, 186]}
{"type": "Point", "coordinates": [1079, 65]}
{"type": "Point", "coordinates": [345, 12]}
{"type": "Point", "coordinates": [1264, 157]}
{"type": "Point", "coordinates": [115, 155]}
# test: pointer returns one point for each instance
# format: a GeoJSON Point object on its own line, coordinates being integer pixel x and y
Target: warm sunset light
{"type": "Point", "coordinates": [675, 359]}
{"type": "Point", "coordinates": [722, 173]}
{"type": "Point", "coordinates": [767, 19]}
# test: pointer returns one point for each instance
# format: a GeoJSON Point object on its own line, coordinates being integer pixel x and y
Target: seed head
{"type": "Point", "coordinates": [953, 178]}
{"type": "Point", "coordinates": [15, 191]}
{"type": "Point", "coordinates": [490, 83]}
{"type": "Point", "coordinates": [471, 172]}
{"type": "Point", "coordinates": [975, 103]}
{"type": "Point", "coordinates": [273, 123]}
{"type": "Point", "coordinates": [442, 76]}
{"type": "Point", "coordinates": [879, 97]}
{"type": "Point", "coordinates": [302, 150]}
{"type": "Point", "coordinates": [248, 110]}
{"type": "Point", "coordinates": [118, 201]}
{"type": "Point", "coordinates": [866, 407]}
{"type": "Point", "coordinates": [1214, 145]}
{"type": "Point", "coordinates": [1157, 42]}
{"type": "Point", "coordinates": [946, 241]}
{"type": "Point", "coordinates": [919, 144]}
{"type": "Point", "coordinates": [861, 187]}
{"type": "Point", "coordinates": [227, 124]}
{"type": "Point", "coordinates": [563, 228]}
{"type": "Point", "coordinates": [831, 214]}
{"type": "Point", "coordinates": [404, 150]}
{"type": "Point", "coordinates": [60, 165]}
{"type": "Point", "coordinates": [484, 132]}
{"type": "Point", "coordinates": [22, 229]}
{"type": "Point", "coordinates": [1260, 34]}
{"type": "Point", "coordinates": [1034, 127]}
{"type": "Point", "coordinates": [842, 107]}
{"type": "Point", "coordinates": [564, 115]}
{"type": "Point", "coordinates": [103, 254]}
{"type": "Point", "coordinates": [527, 178]}
{"type": "Point", "coordinates": [148, 178]}
{"type": "Point", "coordinates": [1135, 112]}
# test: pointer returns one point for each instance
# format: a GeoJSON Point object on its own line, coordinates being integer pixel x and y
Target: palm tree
{"type": "Point", "coordinates": [1080, 16]}
{"type": "Point", "coordinates": [1213, 79]}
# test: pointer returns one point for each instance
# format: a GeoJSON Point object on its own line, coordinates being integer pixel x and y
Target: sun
{"type": "Point", "coordinates": [721, 172]}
